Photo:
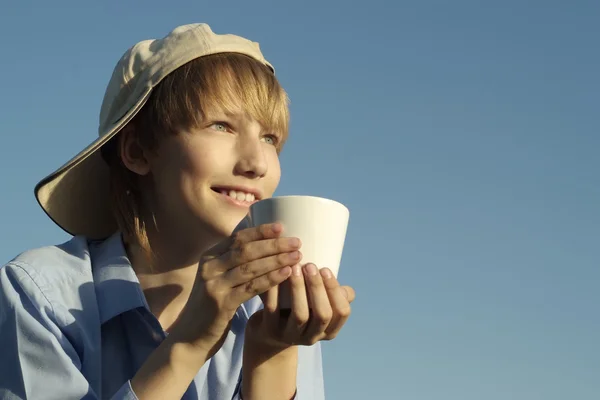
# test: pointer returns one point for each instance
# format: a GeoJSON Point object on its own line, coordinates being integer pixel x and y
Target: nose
{"type": "Point", "coordinates": [252, 162]}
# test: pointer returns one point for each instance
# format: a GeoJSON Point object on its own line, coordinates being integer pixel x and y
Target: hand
{"type": "Point", "coordinates": [320, 308]}
{"type": "Point", "coordinates": [251, 262]}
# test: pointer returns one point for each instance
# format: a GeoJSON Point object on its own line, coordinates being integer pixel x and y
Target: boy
{"type": "Point", "coordinates": [155, 297]}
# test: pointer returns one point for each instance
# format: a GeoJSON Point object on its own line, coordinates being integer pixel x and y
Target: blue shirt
{"type": "Point", "coordinates": [74, 323]}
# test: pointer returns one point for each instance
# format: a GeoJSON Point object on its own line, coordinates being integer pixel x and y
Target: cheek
{"type": "Point", "coordinates": [199, 167]}
{"type": "Point", "coordinates": [178, 173]}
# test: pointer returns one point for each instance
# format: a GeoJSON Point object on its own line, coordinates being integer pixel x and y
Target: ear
{"type": "Point", "coordinates": [133, 155]}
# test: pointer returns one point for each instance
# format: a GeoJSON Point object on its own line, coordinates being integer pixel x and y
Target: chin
{"type": "Point", "coordinates": [224, 226]}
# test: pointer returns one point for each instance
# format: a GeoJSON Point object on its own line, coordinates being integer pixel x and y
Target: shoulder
{"type": "Point", "coordinates": [67, 257]}
{"type": "Point", "coordinates": [49, 276]}
{"type": "Point", "coordinates": [49, 314]}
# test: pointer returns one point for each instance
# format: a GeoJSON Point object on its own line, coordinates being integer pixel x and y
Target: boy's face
{"type": "Point", "coordinates": [205, 180]}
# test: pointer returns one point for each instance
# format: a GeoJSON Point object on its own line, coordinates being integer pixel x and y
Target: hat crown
{"type": "Point", "coordinates": [146, 63]}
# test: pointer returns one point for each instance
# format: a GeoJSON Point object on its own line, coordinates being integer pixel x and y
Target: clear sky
{"type": "Point", "coordinates": [461, 135]}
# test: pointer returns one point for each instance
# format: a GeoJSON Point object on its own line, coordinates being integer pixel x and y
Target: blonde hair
{"type": "Point", "coordinates": [184, 100]}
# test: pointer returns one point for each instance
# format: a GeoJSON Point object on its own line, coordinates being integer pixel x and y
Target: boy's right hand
{"type": "Point", "coordinates": [251, 262]}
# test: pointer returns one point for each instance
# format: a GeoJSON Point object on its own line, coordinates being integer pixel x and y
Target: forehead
{"type": "Point", "coordinates": [246, 108]}
{"type": "Point", "coordinates": [231, 86]}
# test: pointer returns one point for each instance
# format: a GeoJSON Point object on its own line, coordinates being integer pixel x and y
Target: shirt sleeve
{"type": "Point", "coordinates": [37, 359]}
{"type": "Point", "coordinates": [310, 373]}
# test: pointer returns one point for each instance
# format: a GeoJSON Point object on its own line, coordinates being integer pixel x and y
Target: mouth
{"type": "Point", "coordinates": [239, 196]}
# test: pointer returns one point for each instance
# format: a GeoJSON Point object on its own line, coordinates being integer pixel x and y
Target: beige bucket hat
{"type": "Point", "coordinates": [76, 196]}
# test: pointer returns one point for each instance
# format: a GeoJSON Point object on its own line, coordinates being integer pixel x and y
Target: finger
{"type": "Point", "coordinates": [257, 286]}
{"type": "Point", "coordinates": [300, 312]}
{"type": "Point", "coordinates": [241, 236]}
{"type": "Point", "coordinates": [265, 231]}
{"type": "Point", "coordinates": [349, 293]}
{"type": "Point", "coordinates": [248, 271]}
{"type": "Point", "coordinates": [271, 314]}
{"type": "Point", "coordinates": [339, 303]}
{"type": "Point", "coordinates": [259, 249]}
{"type": "Point", "coordinates": [276, 320]}
{"type": "Point", "coordinates": [243, 257]}
{"type": "Point", "coordinates": [319, 304]}
{"type": "Point", "coordinates": [269, 299]}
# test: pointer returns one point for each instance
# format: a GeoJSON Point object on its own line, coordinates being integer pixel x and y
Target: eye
{"type": "Point", "coordinates": [221, 126]}
{"type": "Point", "coordinates": [270, 139]}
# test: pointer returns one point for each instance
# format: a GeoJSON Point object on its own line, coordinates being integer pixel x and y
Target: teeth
{"type": "Point", "coordinates": [239, 196]}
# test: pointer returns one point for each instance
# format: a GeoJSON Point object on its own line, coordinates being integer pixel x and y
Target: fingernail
{"type": "Point", "coordinates": [326, 272]}
{"type": "Point", "coordinates": [295, 255]}
{"type": "Point", "coordinates": [296, 270]}
{"type": "Point", "coordinates": [294, 242]}
{"type": "Point", "coordinates": [285, 271]}
{"type": "Point", "coordinates": [310, 269]}
{"type": "Point", "coordinates": [276, 227]}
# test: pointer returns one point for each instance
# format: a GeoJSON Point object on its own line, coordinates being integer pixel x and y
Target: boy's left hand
{"type": "Point", "coordinates": [319, 309]}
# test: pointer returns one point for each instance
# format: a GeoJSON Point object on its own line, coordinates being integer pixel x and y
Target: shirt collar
{"type": "Point", "coordinates": [117, 287]}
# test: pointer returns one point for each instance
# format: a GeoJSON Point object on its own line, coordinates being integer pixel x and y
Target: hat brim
{"type": "Point", "coordinates": [77, 195]}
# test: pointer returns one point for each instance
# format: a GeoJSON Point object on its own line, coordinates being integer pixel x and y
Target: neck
{"type": "Point", "coordinates": [166, 278]}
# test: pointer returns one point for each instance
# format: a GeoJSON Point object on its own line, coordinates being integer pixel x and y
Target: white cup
{"type": "Point", "coordinates": [320, 224]}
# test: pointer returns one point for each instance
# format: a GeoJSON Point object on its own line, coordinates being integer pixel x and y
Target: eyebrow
{"type": "Point", "coordinates": [241, 117]}
{"type": "Point", "coordinates": [215, 112]}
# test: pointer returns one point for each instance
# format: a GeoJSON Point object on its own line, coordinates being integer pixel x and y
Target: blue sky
{"type": "Point", "coordinates": [461, 135]}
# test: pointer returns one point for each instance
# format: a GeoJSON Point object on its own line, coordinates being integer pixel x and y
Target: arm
{"type": "Point", "coordinates": [274, 365]}
{"type": "Point", "coordinates": [169, 370]}
{"type": "Point", "coordinates": [269, 372]}
{"type": "Point", "coordinates": [293, 373]}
